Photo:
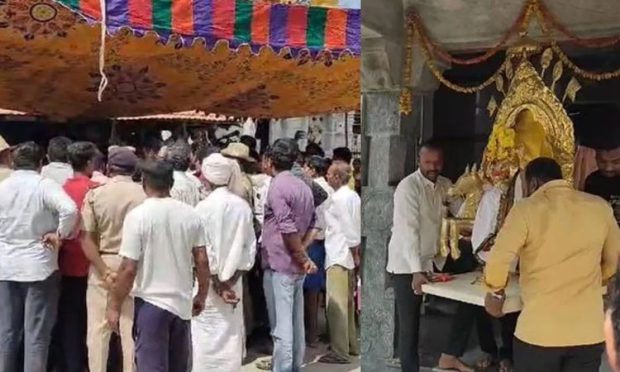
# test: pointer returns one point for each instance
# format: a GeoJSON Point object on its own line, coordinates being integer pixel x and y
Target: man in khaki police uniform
{"type": "Point", "coordinates": [103, 213]}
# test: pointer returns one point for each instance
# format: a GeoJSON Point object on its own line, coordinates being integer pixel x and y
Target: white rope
{"type": "Point", "coordinates": [104, 79]}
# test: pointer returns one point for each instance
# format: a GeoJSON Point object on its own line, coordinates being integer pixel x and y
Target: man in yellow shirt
{"type": "Point", "coordinates": [568, 244]}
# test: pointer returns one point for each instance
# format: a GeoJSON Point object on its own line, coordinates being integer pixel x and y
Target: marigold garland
{"type": "Point", "coordinates": [548, 19]}
{"type": "Point", "coordinates": [416, 31]}
{"type": "Point", "coordinates": [566, 60]}
{"type": "Point", "coordinates": [581, 72]}
{"type": "Point", "coordinates": [501, 143]}
{"type": "Point", "coordinates": [461, 89]}
{"type": "Point", "coordinates": [521, 22]}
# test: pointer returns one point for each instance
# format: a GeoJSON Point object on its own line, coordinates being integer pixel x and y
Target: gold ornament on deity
{"type": "Point", "coordinates": [530, 122]}
{"type": "Point", "coordinates": [468, 188]}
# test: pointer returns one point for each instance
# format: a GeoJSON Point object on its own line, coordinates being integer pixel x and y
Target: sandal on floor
{"type": "Point", "coordinates": [332, 358]}
{"type": "Point", "coordinates": [264, 365]}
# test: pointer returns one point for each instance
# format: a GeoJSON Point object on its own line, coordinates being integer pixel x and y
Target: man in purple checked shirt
{"type": "Point", "coordinates": [289, 216]}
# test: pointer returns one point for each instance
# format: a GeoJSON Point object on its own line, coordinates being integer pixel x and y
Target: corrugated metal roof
{"type": "Point", "coordinates": [4, 112]}
{"type": "Point", "coordinates": [184, 115]}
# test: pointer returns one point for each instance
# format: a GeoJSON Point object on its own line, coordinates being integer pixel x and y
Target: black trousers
{"type": "Point", "coordinates": [463, 322]}
{"type": "Point", "coordinates": [467, 315]}
{"type": "Point", "coordinates": [532, 358]}
{"type": "Point", "coordinates": [408, 306]}
{"type": "Point", "coordinates": [69, 353]}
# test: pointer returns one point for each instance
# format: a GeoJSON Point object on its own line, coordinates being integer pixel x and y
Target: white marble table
{"type": "Point", "coordinates": [468, 288]}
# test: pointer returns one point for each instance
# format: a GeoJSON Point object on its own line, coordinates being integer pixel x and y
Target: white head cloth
{"type": "Point", "coordinates": [222, 171]}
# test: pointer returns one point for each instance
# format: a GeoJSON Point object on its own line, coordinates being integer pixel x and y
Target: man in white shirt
{"type": "Point", "coordinates": [414, 245]}
{"type": "Point", "coordinates": [484, 230]}
{"type": "Point", "coordinates": [35, 215]}
{"type": "Point", "coordinates": [218, 332]}
{"type": "Point", "coordinates": [163, 240]}
{"type": "Point", "coordinates": [342, 256]}
{"type": "Point", "coordinates": [186, 188]}
{"type": "Point", "coordinates": [58, 169]}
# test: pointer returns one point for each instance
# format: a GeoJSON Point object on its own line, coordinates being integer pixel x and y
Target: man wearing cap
{"type": "Point", "coordinates": [103, 213]}
{"type": "Point", "coordinates": [35, 215]}
{"type": "Point", "coordinates": [218, 332]}
{"type": "Point", "coordinates": [5, 159]}
{"type": "Point", "coordinates": [241, 153]}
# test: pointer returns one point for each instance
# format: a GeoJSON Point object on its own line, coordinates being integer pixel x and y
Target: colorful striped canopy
{"type": "Point", "coordinates": [239, 22]}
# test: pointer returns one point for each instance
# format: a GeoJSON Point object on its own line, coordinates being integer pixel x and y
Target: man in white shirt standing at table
{"type": "Point", "coordinates": [35, 215]}
{"type": "Point", "coordinates": [413, 247]}
{"type": "Point", "coordinates": [342, 256]}
{"type": "Point", "coordinates": [218, 332]}
{"type": "Point", "coordinates": [58, 169]}
{"type": "Point", "coordinates": [163, 240]}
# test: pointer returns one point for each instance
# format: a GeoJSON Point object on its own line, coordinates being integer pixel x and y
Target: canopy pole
{"type": "Point", "coordinates": [104, 79]}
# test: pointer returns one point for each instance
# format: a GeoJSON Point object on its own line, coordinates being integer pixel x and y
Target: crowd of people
{"type": "Point", "coordinates": [564, 244]}
{"type": "Point", "coordinates": [171, 255]}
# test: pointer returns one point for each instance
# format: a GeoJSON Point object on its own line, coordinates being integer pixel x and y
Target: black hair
{"type": "Point", "coordinates": [179, 156]}
{"type": "Point", "coordinates": [342, 154]}
{"type": "Point", "coordinates": [313, 149]}
{"type": "Point", "coordinates": [27, 156]}
{"type": "Point", "coordinates": [254, 155]}
{"type": "Point", "coordinates": [318, 164]}
{"type": "Point", "coordinates": [100, 162]}
{"type": "Point", "coordinates": [151, 143]}
{"type": "Point", "coordinates": [544, 170]}
{"type": "Point", "coordinates": [283, 154]}
{"type": "Point", "coordinates": [157, 175]}
{"type": "Point", "coordinates": [203, 151]}
{"type": "Point", "coordinates": [179, 164]}
{"type": "Point", "coordinates": [249, 141]}
{"type": "Point", "coordinates": [57, 149]}
{"type": "Point", "coordinates": [80, 153]}
{"type": "Point", "coordinates": [431, 145]}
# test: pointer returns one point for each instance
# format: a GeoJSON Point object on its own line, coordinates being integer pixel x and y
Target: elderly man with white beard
{"type": "Point", "coordinates": [218, 332]}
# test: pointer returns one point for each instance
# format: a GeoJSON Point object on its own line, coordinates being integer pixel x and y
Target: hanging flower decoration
{"type": "Point", "coordinates": [533, 10]}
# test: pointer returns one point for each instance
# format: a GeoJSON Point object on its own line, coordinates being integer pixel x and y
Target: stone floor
{"type": "Point", "coordinates": [311, 359]}
{"type": "Point", "coordinates": [434, 329]}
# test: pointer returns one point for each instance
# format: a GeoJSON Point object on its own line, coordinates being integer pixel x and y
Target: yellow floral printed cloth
{"type": "Point", "coordinates": [50, 66]}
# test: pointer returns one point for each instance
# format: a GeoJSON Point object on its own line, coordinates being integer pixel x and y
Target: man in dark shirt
{"type": "Point", "coordinates": [605, 182]}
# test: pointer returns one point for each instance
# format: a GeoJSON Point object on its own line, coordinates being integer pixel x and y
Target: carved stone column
{"type": "Point", "coordinates": [389, 153]}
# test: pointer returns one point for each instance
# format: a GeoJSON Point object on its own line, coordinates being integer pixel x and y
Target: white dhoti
{"type": "Point", "coordinates": [218, 334]}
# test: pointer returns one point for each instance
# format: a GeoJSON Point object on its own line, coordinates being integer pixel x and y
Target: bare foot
{"type": "Point", "coordinates": [505, 366]}
{"type": "Point", "coordinates": [450, 362]}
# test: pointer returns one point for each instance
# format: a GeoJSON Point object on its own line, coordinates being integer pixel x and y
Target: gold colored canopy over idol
{"type": "Point", "coordinates": [530, 122]}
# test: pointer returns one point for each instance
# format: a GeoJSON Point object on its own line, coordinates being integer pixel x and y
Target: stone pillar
{"type": "Point", "coordinates": [389, 153]}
